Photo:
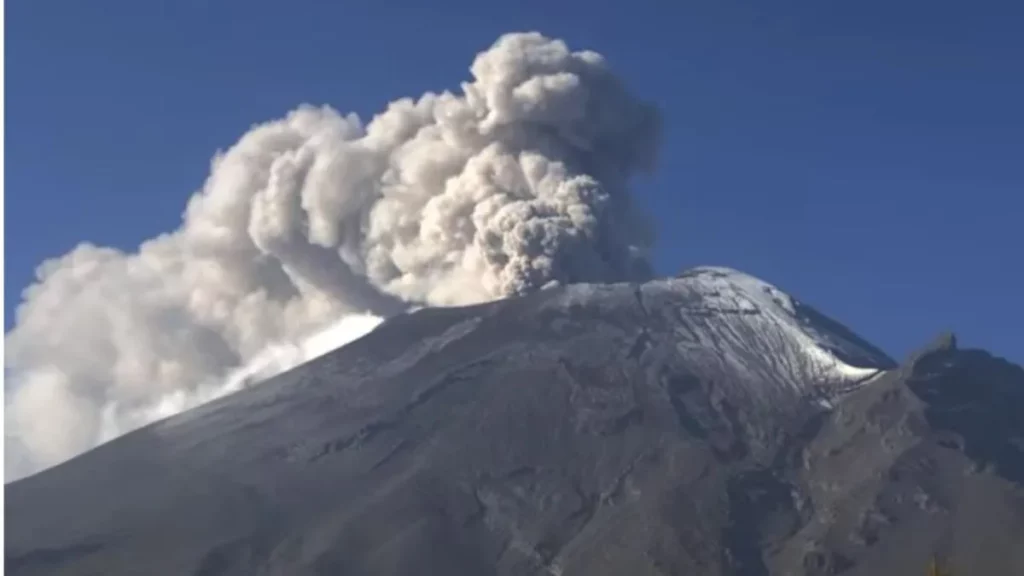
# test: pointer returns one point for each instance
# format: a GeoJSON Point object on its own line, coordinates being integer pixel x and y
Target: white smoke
{"type": "Point", "coordinates": [514, 184]}
{"type": "Point", "coordinates": [272, 360]}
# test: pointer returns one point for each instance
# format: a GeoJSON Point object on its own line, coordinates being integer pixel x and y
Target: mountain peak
{"type": "Point", "coordinates": [756, 315]}
{"type": "Point", "coordinates": [707, 423]}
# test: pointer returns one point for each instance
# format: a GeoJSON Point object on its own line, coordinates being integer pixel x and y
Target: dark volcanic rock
{"type": "Point", "coordinates": [702, 425]}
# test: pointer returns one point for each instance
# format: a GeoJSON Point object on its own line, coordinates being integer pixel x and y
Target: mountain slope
{"type": "Point", "coordinates": [703, 424]}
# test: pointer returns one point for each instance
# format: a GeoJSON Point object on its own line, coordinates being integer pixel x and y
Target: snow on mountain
{"type": "Point", "coordinates": [758, 330]}
{"type": "Point", "coordinates": [747, 334]}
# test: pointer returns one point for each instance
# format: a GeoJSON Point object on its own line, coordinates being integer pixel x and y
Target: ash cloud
{"type": "Point", "coordinates": [313, 227]}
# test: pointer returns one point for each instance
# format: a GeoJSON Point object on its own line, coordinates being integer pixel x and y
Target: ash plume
{"type": "Point", "coordinates": [312, 227]}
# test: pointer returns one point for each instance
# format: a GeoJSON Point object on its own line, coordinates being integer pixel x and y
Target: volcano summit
{"type": "Point", "coordinates": [705, 424]}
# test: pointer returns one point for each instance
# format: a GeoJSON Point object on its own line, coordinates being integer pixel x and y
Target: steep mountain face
{"type": "Point", "coordinates": [703, 424]}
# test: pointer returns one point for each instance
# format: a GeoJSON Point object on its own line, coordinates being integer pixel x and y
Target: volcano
{"type": "Point", "coordinates": [705, 424]}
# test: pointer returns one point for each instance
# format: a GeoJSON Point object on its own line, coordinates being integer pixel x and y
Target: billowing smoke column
{"type": "Point", "coordinates": [315, 221]}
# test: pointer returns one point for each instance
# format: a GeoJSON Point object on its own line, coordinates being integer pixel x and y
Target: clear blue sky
{"type": "Point", "coordinates": [866, 156]}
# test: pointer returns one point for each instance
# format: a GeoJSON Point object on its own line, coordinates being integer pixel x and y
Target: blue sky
{"type": "Point", "coordinates": [868, 157]}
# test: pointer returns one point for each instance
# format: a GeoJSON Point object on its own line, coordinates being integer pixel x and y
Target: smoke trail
{"type": "Point", "coordinates": [517, 182]}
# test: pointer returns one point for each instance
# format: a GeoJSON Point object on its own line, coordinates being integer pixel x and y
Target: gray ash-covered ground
{"type": "Point", "coordinates": [701, 425]}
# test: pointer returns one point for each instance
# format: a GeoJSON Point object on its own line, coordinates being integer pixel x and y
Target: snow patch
{"type": "Point", "coordinates": [756, 331]}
